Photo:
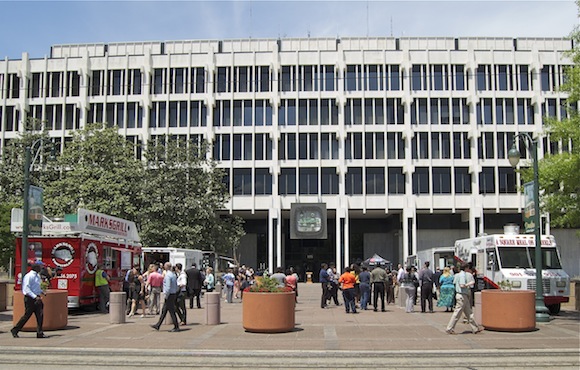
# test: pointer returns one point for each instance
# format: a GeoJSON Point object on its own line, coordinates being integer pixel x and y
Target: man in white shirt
{"type": "Point", "coordinates": [463, 282]}
{"type": "Point", "coordinates": [32, 293]}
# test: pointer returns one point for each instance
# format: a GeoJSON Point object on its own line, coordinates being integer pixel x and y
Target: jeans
{"type": "Point", "coordinates": [348, 295]}
{"type": "Point", "coordinates": [427, 296]}
{"type": "Point", "coordinates": [229, 293]}
{"type": "Point", "coordinates": [379, 291]}
{"type": "Point", "coordinates": [365, 291]}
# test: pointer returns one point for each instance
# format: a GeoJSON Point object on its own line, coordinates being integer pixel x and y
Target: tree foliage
{"type": "Point", "coordinates": [559, 173]}
{"type": "Point", "coordinates": [97, 170]}
{"type": "Point", "coordinates": [184, 192]}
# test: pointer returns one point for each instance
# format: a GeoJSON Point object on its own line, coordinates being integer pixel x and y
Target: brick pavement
{"type": "Point", "coordinates": [316, 330]}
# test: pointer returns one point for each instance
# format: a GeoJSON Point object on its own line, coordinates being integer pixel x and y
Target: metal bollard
{"type": "Point", "coordinates": [117, 307]}
{"type": "Point", "coordinates": [212, 308]}
{"type": "Point", "coordinates": [402, 297]}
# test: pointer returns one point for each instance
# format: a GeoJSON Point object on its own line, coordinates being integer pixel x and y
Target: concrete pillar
{"type": "Point", "coordinates": [117, 307]}
{"type": "Point", "coordinates": [212, 308]}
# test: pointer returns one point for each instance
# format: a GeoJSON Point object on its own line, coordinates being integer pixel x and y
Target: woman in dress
{"type": "Point", "coordinates": [446, 290]}
{"type": "Point", "coordinates": [137, 291]}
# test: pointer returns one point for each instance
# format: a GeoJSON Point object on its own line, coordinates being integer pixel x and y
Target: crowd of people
{"type": "Point", "coordinates": [452, 288]}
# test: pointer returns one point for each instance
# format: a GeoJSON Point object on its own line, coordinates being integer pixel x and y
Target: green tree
{"type": "Point", "coordinates": [98, 170]}
{"type": "Point", "coordinates": [558, 173]}
{"type": "Point", "coordinates": [12, 179]}
{"type": "Point", "coordinates": [184, 191]}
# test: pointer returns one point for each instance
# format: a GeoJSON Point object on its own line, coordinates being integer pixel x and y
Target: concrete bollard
{"type": "Point", "coordinates": [212, 308]}
{"type": "Point", "coordinates": [402, 297]}
{"type": "Point", "coordinates": [117, 307]}
{"type": "Point", "coordinates": [477, 307]}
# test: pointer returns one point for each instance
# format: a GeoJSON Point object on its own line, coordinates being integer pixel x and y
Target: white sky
{"type": "Point", "coordinates": [34, 26]}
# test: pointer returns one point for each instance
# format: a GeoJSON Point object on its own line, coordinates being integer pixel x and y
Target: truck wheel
{"type": "Point", "coordinates": [554, 308]}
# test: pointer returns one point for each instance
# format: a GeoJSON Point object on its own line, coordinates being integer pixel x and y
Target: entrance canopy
{"type": "Point", "coordinates": [376, 260]}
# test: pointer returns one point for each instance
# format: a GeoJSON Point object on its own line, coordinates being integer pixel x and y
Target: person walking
{"type": "Point", "coordinates": [426, 283]}
{"type": "Point", "coordinates": [463, 286]}
{"type": "Point", "coordinates": [229, 281]}
{"type": "Point", "coordinates": [154, 284]}
{"type": "Point", "coordinates": [32, 292]}
{"type": "Point", "coordinates": [194, 284]}
{"type": "Point", "coordinates": [378, 281]}
{"type": "Point", "coordinates": [170, 292]}
{"type": "Point", "coordinates": [102, 285]}
{"type": "Point", "coordinates": [347, 281]}
{"type": "Point", "coordinates": [181, 294]}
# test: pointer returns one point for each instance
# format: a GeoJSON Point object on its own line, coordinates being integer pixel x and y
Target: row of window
{"type": "Point", "coordinates": [371, 181]}
{"type": "Point", "coordinates": [240, 79]}
{"type": "Point", "coordinates": [292, 112]}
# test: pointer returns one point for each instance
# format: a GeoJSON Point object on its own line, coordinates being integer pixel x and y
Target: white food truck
{"type": "Point", "coordinates": [174, 255]}
{"type": "Point", "coordinates": [438, 257]}
{"type": "Point", "coordinates": [511, 257]}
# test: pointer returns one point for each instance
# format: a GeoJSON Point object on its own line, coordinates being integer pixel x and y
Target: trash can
{"type": "Point", "coordinates": [117, 307]}
{"type": "Point", "coordinates": [212, 308]}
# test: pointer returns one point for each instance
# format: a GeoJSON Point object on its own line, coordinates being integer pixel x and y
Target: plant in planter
{"type": "Point", "coordinates": [505, 285]}
{"type": "Point", "coordinates": [267, 307]}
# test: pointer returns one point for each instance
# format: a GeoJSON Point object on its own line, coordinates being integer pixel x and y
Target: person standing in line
{"type": "Point", "coordinates": [279, 276]}
{"type": "Point", "coordinates": [292, 282]}
{"type": "Point", "coordinates": [333, 276]}
{"type": "Point", "coordinates": [170, 292]}
{"type": "Point", "coordinates": [102, 284]}
{"type": "Point", "coordinates": [209, 280]}
{"type": "Point", "coordinates": [409, 282]}
{"type": "Point", "coordinates": [194, 284]}
{"type": "Point", "coordinates": [326, 285]}
{"type": "Point", "coordinates": [446, 290]}
{"type": "Point", "coordinates": [398, 275]}
{"type": "Point", "coordinates": [229, 281]}
{"type": "Point", "coordinates": [154, 284]}
{"type": "Point", "coordinates": [347, 281]}
{"type": "Point", "coordinates": [181, 294]}
{"type": "Point", "coordinates": [378, 281]}
{"type": "Point", "coordinates": [365, 287]}
{"type": "Point", "coordinates": [463, 285]}
{"type": "Point", "coordinates": [426, 282]}
{"type": "Point", "coordinates": [32, 293]}
{"type": "Point", "coordinates": [389, 288]}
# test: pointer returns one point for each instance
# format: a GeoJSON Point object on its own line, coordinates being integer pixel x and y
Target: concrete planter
{"type": "Point", "coordinates": [268, 312]}
{"type": "Point", "coordinates": [55, 310]}
{"type": "Point", "coordinates": [513, 311]}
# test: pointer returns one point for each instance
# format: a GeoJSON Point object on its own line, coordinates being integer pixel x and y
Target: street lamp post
{"type": "Point", "coordinates": [28, 162]}
{"type": "Point", "coordinates": [514, 158]}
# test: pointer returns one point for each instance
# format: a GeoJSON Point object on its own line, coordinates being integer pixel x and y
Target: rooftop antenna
{"type": "Point", "coordinates": [367, 19]}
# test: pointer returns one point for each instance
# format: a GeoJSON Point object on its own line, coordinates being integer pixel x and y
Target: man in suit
{"type": "Point", "coordinates": [194, 284]}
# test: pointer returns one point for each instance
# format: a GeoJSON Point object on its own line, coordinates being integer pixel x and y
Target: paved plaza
{"type": "Point", "coordinates": [322, 338]}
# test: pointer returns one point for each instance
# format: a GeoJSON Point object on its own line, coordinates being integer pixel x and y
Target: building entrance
{"type": "Point", "coordinates": [306, 255]}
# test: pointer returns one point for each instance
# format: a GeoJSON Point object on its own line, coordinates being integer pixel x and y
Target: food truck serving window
{"type": "Point", "coordinates": [511, 257]}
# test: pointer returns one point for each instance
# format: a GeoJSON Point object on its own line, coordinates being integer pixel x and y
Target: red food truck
{"type": "Point", "coordinates": [74, 250]}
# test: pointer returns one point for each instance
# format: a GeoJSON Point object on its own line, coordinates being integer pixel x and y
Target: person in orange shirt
{"type": "Point", "coordinates": [347, 281]}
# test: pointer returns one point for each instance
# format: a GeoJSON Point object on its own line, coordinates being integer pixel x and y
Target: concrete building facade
{"type": "Point", "coordinates": [404, 140]}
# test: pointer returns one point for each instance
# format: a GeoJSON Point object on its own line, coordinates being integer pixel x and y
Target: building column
{"type": "Point", "coordinates": [409, 233]}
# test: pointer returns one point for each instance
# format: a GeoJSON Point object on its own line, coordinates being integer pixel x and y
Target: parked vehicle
{"type": "Point", "coordinates": [174, 255]}
{"type": "Point", "coordinates": [509, 259]}
{"type": "Point", "coordinates": [438, 257]}
{"type": "Point", "coordinates": [75, 250]}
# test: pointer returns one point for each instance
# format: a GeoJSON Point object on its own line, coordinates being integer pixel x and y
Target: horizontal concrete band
{"type": "Point", "coordinates": [529, 358]}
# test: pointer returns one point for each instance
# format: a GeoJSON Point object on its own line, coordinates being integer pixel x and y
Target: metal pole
{"type": "Point", "coordinates": [541, 310]}
{"type": "Point", "coordinates": [25, 220]}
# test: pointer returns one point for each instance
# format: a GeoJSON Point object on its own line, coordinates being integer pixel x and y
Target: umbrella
{"type": "Point", "coordinates": [376, 260]}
